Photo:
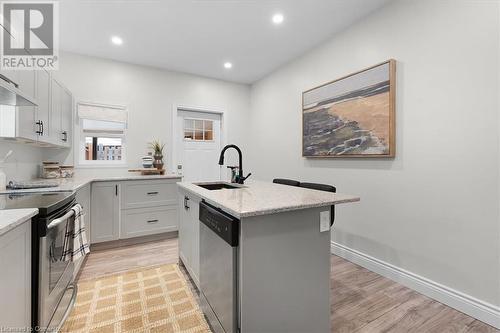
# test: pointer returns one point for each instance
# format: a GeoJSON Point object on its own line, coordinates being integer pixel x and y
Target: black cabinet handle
{"type": "Point", "coordinates": [40, 127]}
{"type": "Point", "coordinates": [186, 203]}
{"type": "Point", "coordinates": [116, 190]}
{"type": "Point", "coordinates": [65, 138]}
{"type": "Point", "coordinates": [152, 221]}
{"type": "Point", "coordinates": [152, 193]}
{"type": "Point", "coordinates": [41, 121]}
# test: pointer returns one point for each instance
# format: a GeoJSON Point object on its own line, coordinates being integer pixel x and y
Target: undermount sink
{"type": "Point", "coordinates": [217, 186]}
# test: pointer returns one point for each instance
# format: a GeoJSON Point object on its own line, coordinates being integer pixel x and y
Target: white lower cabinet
{"type": "Point", "coordinates": [15, 286]}
{"type": "Point", "coordinates": [83, 198]}
{"type": "Point", "coordinates": [148, 221]}
{"type": "Point", "coordinates": [105, 212]}
{"type": "Point", "coordinates": [134, 208]}
{"type": "Point", "coordinates": [189, 234]}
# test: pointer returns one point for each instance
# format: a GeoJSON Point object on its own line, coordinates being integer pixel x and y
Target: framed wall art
{"type": "Point", "coordinates": [353, 116]}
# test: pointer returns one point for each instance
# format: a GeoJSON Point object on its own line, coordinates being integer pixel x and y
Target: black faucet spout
{"type": "Point", "coordinates": [240, 178]}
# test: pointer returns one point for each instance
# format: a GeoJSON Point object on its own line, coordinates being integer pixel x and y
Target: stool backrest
{"type": "Point", "coordinates": [284, 181]}
{"type": "Point", "coordinates": [320, 187]}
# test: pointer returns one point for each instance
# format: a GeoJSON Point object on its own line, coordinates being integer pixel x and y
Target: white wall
{"type": "Point", "coordinates": [149, 94]}
{"type": "Point", "coordinates": [433, 210]}
{"type": "Point", "coordinates": [24, 161]}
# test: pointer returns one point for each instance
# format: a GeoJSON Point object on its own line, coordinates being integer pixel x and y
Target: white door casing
{"type": "Point", "coordinates": [199, 158]}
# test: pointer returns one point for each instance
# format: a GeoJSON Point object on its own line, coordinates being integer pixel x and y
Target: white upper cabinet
{"type": "Point", "coordinates": [43, 110]}
{"type": "Point", "coordinates": [49, 123]}
{"type": "Point", "coordinates": [61, 114]}
{"type": "Point", "coordinates": [66, 116]}
{"type": "Point", "coordinates": [17, 87]}
{"type": "Point", "coordinates": [55, 113]}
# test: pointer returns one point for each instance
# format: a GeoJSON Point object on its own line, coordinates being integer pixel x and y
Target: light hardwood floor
{"type": "Point", "coordinates": [362, 301]}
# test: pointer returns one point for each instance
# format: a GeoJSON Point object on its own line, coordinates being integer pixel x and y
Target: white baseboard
{"type": "Point", "coordinates": [474, 307]}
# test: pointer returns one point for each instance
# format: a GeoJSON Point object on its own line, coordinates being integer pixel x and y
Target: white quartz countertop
{"type": "Point", "coordinates": [11, 218]}
{"type": "Point", "coordinates": [261, 198]}
{"type": "Point", "coordinates": [81, 179]}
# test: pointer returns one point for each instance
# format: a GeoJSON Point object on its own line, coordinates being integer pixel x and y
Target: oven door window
{"type": "Point", "coordinates": [55, 242]}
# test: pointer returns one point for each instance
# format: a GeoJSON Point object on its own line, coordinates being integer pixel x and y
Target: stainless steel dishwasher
{"type": "Point", "coordinates": [219, 235]}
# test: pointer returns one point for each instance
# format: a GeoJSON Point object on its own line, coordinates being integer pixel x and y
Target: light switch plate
{"type": "Point", "coordinates": [324, 221]}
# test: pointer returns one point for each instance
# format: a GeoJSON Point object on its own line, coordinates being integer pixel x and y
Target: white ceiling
{"type": "Point", "coordinates": [198, 36]}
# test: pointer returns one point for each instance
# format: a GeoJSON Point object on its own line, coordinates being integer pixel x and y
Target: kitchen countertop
{"type": "Point", "coordinates": [80, 180]}
{"type": "Point", "coordinates": [261, 198]}
{"type": "Point", "coordinates": [11, 218]}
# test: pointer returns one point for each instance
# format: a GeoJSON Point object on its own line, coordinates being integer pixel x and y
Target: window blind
{"type": "Point", "coordinates": [115, 114]}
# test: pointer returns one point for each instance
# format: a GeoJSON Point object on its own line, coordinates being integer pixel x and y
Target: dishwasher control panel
{"type": "Point", "coordinates": [224, 225]}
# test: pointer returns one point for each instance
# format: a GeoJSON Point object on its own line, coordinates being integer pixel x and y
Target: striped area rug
{"type": "Point", "coordinates": [153, 299]}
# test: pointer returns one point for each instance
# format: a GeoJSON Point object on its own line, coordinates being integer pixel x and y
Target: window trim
{"type": "Point", "coordinates": [79, 144]}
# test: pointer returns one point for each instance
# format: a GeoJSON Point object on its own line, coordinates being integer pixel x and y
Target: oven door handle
{"type": "Point", "coordinates": [71, 304]}
{"type": "Point", "coordinates": [60, 220]}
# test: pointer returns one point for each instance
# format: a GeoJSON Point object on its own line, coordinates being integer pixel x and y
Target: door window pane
{"type": "Point", "coordinates": [208, 125]}
{"type": "Point", "coordinates": [208, 135]}
{"type": "Point", "coordinates": [198, 129]}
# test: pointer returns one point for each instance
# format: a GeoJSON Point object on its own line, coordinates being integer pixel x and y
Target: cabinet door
{"type": "Point", "coordinates": [184, 229]}
{"type": "Point", "coordinates": [195, 243]}
{"type": "Point", "coordinates": [42, 93]}
{"type": "Point", "coordinates": [83, 198]}
{"type": "Point", "coordinates": [15, 289]}
{"type": "Point", "coordinates": [55, 113]}
{"type": "Point", "coordinates": [66, 116]}
{"type": "Point", "coordinates": [26, 123]}
{"type": "Point", "coordinates": [26, 115]}
{"type": "Point", "coordinates": [148, 221]}
{"type": "Point", "coordinates": [105, 212]}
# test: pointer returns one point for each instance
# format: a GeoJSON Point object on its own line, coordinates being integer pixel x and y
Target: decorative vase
{"type": "Point", "coordinates": [158, 162]}
{"type": "Point", "coordinates": [147, 161]}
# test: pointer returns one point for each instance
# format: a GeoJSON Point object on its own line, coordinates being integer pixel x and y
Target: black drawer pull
{"type": "Point", "coordinates": [186, 203]}
{"type": "Point", "coordinates": [152, 221]}
{"type": "Point", "coordinates": [152, 193]}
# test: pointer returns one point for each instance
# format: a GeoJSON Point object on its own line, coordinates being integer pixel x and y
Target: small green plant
{"type": "Point", "coordinates": [157, 146]}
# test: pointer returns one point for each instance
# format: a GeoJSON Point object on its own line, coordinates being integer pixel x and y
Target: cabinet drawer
{"type": "Point", "coordinates": [148, 221]}
{"type": "Point", "coordinates": [137, 194]}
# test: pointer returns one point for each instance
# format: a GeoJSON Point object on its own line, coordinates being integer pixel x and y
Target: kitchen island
{"type": "Point", "coordinates": [276, 276]}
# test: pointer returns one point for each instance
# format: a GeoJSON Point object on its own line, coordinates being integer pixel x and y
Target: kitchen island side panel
{"type": "Point", "coordinates": [284, 273]}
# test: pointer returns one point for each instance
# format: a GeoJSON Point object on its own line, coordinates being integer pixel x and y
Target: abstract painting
{"type": "Point", "coordinates": [353, 116]}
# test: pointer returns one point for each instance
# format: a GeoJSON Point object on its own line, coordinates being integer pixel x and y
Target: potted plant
{"type": "Point", "coordinates": [157, 148]}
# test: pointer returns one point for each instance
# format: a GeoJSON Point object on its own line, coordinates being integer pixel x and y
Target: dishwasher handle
{"type": "Point", "coordinates": [222, 224]}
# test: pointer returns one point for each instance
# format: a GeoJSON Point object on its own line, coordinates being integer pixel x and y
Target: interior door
{"type": "Point", "coordinates": [199, 145]}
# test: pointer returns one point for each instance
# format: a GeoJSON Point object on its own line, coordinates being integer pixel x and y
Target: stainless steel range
{"type": "Point", "coordinates": [53, 292]}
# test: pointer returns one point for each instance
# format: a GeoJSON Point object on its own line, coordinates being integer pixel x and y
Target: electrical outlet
{"type": "Point", "coordinates": [324, 221]}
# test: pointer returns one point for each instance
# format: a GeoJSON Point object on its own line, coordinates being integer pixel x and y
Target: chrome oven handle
{"type": "Point", "coordinates": [70, 306]}
{"type": "Point", "coordinates": [60, 220]}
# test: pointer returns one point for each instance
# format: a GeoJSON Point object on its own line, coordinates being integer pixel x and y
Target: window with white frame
{"type": "Point", "coordinates": [198, 129]}
{"type": "Point", "coordinates": [102, 134]}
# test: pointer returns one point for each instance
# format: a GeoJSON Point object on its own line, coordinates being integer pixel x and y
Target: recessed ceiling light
{"type": "Point", "coordinates": [228, 65]}
{"type": "Point", "coordinates": [116, 40]}
{"type": "Point", "coordinates": [278, 18]}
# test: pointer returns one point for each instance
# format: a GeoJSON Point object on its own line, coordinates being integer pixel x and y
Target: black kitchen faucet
{"type": "Point", "coordinates": [239, 178]}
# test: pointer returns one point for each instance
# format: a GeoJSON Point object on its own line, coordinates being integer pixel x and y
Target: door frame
{"type": "Point", "coordinates": [194, 108]}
